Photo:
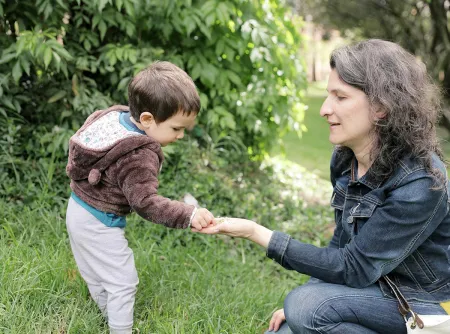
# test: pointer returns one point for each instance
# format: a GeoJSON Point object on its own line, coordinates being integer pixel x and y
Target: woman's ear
{"type": "Point", "coordinates": [380, 114]}
{"type": "Point", "coordinates": [146, 119]}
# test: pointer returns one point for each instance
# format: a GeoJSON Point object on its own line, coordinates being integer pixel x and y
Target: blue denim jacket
{"type": "Point", "coordinates": [399, 227]}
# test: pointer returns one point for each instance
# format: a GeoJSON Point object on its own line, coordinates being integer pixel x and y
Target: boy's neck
{"type": "Point", "coordinates": [139, 125]}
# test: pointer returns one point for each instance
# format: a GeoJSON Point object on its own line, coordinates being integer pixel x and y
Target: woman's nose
{"type": "Point", "coordinates": [326, 108]}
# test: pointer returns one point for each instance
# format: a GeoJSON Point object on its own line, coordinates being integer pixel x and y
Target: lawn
{"type": "Point", "coordinates": [189, 283]}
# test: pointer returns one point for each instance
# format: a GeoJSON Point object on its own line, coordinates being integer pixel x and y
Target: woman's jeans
{"type": "Point", "coordinates": [319, 307]}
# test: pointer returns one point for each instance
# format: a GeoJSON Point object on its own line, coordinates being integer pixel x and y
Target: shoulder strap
{"type": "Point", "coordinates": [403, 305]}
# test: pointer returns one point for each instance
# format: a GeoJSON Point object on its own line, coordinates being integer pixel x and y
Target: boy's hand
{"type": "Point", "coordinates": [201, 219]}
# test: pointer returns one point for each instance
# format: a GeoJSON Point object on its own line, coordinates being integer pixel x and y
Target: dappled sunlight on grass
{"type": "Point", "coordinates": [302, 185]}
{"type": "Point", "coordinates": [307, 197]}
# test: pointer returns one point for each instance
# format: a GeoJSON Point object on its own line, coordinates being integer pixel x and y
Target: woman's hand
{"type": "Point", "coordinates": [241, 228]}
{"type": "Point", "coordinates": [233, 227]}
{"type": "Point", "coordinates": [278, 318]}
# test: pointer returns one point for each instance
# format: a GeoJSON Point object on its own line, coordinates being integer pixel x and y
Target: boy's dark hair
{"type": "Point", "coordinates": [162, 89]}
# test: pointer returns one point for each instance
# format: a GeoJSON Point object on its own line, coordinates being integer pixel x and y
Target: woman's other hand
{"type": "Point", "coordinates": [278, 318]}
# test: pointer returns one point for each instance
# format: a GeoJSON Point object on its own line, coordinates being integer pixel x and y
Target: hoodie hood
{"type": "Point", "coordinates": [88, 163]}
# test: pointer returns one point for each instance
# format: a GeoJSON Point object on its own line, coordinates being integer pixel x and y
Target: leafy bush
{"type": "Point", "coordinates": [61, 60]}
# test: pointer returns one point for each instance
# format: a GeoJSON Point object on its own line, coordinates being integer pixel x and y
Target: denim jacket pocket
{"type": "Point", "coordinates": [361, 212]}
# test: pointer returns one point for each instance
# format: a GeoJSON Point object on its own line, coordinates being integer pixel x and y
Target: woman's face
{"type": "Point", "coordinates": [347, 110]}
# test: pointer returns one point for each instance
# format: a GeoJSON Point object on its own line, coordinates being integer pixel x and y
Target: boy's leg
{"type": "Point", "coordinates": [106, 263]}
{"type": "Point", "coordinates": [100, 296]}
{"type": "Point", "coordinates": [120, 280]}
{"type": "Point", "coordinates": [75, 219]}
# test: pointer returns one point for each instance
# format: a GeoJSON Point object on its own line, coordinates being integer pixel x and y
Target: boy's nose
{"type": "Point", "coordinates": [181, 135]}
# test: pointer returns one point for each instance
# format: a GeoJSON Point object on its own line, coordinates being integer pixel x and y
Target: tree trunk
{"type": "Point", "coordinates": [441, 48]}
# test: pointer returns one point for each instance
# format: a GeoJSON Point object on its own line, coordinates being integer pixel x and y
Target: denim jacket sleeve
{"type": "Point", "coordinates": [408, 216]}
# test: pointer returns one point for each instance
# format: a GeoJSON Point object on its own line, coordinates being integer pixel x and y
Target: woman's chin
{"type": "Point", "coordinates": [335, 141]}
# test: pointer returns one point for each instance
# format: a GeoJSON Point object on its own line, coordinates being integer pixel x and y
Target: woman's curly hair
{"type": "Point", "coordinates": [397, 84]}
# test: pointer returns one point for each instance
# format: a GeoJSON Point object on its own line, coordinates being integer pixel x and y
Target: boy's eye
{"type": "Point", "coordinates": [340, 98]}
{"type": "Point", "coordinates": [177, 129]}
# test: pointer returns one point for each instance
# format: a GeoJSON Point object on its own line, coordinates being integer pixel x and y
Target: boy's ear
{"type": "Point", "coordinates": [146, 119]}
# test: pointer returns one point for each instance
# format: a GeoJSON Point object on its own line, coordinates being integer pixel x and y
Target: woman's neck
{"type": "Point", "coordinates": [364, 160]}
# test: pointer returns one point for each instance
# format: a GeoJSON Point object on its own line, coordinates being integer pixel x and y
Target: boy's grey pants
{"type": "Point", "coordinates": [106, 263]}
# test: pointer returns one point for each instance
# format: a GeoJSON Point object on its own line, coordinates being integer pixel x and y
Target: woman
{"type": "Point", "coordinates": [390, 195]}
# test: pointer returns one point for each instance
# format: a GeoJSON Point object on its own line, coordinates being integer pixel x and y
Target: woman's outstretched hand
{"type": "Point", "coordinates": [240, 228]}
{"type": "Point", "coordinates": [233, 227]}
{"type": "Point", "coordinates": [278, 318]}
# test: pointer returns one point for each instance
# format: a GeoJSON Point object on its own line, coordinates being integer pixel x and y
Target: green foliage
{"type": "Point", "coordinates": [61, 60]}
{"type": "Point", "coordinates": [313, 150]}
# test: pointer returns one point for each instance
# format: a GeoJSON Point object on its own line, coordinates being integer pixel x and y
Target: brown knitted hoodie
{"type": "Point", "coordinates": [123, 177]}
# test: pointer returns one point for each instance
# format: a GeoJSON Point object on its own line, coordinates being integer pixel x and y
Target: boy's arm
{"type": "Point", "coordinates": [137, 177]}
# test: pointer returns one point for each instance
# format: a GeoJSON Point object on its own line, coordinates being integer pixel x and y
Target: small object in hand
{"type": "Point", "coordinates": [191, 200]}
{"type": "Point", "coordinates": [222, 220]}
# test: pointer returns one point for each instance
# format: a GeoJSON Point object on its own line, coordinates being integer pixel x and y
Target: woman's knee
{"type": "Point", "coordinates": [300, 305]}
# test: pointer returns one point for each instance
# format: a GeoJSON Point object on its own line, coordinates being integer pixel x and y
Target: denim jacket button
{"type": "Point", "coordinates": [350, 220]}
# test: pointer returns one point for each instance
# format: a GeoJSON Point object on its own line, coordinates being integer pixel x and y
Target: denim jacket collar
{"type": "Point", "coordinates": [367, 179]}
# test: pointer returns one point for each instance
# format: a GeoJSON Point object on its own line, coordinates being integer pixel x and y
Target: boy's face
{"type": "Point", "coordinates": [171, 129]}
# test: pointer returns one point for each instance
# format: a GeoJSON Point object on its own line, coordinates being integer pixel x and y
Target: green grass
{"type": "Point", "coordinates": [189, 283]}
{"type": "Point", "coordinates": [444, 137]}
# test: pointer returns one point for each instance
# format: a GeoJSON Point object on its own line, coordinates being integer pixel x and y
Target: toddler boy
{"type": "Point", "coordinates": [114, 161]}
